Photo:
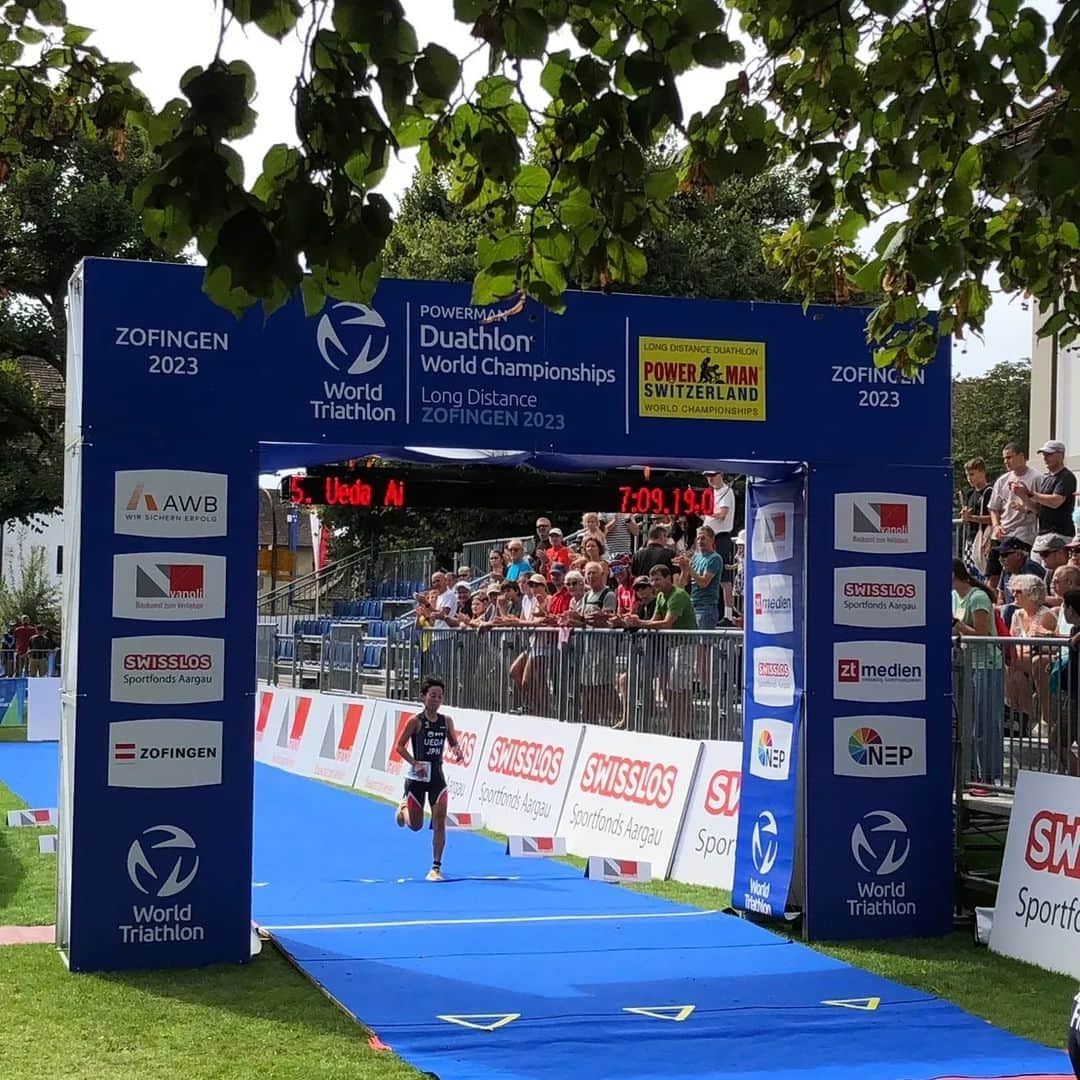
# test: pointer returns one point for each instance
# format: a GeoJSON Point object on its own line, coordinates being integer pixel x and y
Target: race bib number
{"type": "Point", "coordinates": [421, 772]}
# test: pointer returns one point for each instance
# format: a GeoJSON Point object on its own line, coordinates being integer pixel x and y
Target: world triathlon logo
{"type": "Point", "coordinates": [352, 338]}
{"type": "Point", "coordinates": [765, 844]}
{"type": "Point", "coordinates": [164, 868]}
{"type": "Point", "coordinates": [880, 843]}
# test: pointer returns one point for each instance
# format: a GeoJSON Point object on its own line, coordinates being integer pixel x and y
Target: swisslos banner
{"type": "Point", "coordinates": [524, 774]}
{"type": "Point", "coordinates": [706, 851]}
{"type": "Point", "coordinates": [1037, 916]}
{"type": "Point", "coordinates": [627, 796]}
{"type": "Point", "coordinates": [764, 854]}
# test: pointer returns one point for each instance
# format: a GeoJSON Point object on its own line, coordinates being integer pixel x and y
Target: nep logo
{"type": "Point", "coordinates": [772, 536]}
{"type": "Point", "coordinates": [879, 746]}
{"type": "Point", "coordinates": [332, 327]}
{"type": "Point", "coordinates": [879, 671]}
{"type": "Point", "coordinates": [774, 676]}
{"type": "Point", "coordinates": [168, 585]}
{"type": "Point", "coordinates": [770, 757]}
{"type": "Point", "coordinates": [880, 522]}
{"type": "Point", "coordinates": [774, 603]}
{"type": "Point", "coordinates": [170, 502]}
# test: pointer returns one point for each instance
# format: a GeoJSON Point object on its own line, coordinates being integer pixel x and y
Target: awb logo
{"type": "Point", "coordinates": [878, 521]}
{"type": "Point", "coordinates": [647, 783]}
{"type": "Point", "coordinates": [770, 757]}
{"type": "Point", "coordinates": [539, 762]}
{"type": "Point", "coordinates": [723, 793]}
{"type": "Point", "coordinates": [774, 603]}
{"type": "Point", "coordinates": [1054, 843]}
{"type": "Point", "coordinates": [879, 671]}
{"type": "Point", "coordinates": [772, 538]}
{"type": "Point", "coordinates": [774, 676]}
{"type": "Point", "coordinates": [170, 502]}
{"type": "Point", "coordinates": [352, 338]}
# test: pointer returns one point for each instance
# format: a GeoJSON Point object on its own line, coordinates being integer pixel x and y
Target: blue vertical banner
{"type": "Point", "coordinates": [773, 696]}
{"type": "Point", "coordinates": [878, 740]}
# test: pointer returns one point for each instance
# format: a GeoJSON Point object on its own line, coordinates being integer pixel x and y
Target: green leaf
{"type": "Point", "coordinates": [553, 242]}
{"type": "Point", "coordinates": [496, 91]}
{"type": "Point", "coordinates": [1053, 325]}
{"type": "Point", "coordinates": [715, 50]}
{"type": "Point", "coordinates": [1068, 234]}
{"type": "Point", "coordinates": [884, 358]}
{"type": "Point", "coordinates": [314, 295]}
{"type": "Point", "coordinates": [662, 184]}
{"type": "Point", "coordinates": [531, 184]}
{"type": "Point", "coordinates": [50, 12]}
{"type": "Point", "coordinates": [470, 10]}
{"type": "Point", "coordinates": [30, 35]}
{"type": "Point", "coordinates": [957, 199]}
{"type": "Point", "coordinates": [76, 35]}
{"type": "Point", "coordinates": [526, 33]}
{"type": "Point", "coordinates": [489, 288]}
{"type": "Point", "coordinates": [558, 65]}
{"type": "Point", "coordinates": [507, 249]}
{"type": "Point", "coordinates": [437, 72]}
{"type": "Point", "coordinates": [868, 279]}
{"type": "Point", "coordinates": [969, 167]}
{"type": "Point", "coordinates": [698, 16]}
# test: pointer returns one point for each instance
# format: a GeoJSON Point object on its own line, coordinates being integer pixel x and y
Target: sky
{"type": "Point", "coordinates": [166, 38]}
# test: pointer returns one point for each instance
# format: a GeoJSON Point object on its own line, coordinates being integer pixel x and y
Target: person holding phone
{"type": "Point", "coordinates": [422, 744]}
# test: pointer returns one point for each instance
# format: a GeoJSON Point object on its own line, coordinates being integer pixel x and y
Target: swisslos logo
{"type": "Point", "coordinates": [770, 756]}
{"type": "Point", "coordinates": [772, 536]}
{"type": "Point", "coordinates": [879, 746]}
{"type": "Point", "coordinates": [774, 676]}
{"type": "Point", "coordinates": [879, 671]}
{"type": "Point", "coordinates": [879, 521]}
{"type": "Point", "coordinates": [539, 762]}
{"type": "Point", "coordinates": [168, 585]}
{"type": "Point", "coordinates": [1053, 844]}
{"type": "Point", "coordinates": [723, 793]}
{"type": "Point", "coordinates": [879, 596]}
{"type": "Point", "coordinates": [170, 502]}
{"type": "Point", "coordinates": [175, 670]}
{"type": "Point", "coordinates": [647, 783]}
{"type": "Point", "coordinates": [165, 753]}
{"type": "Point", "coordinates": [774, 603]}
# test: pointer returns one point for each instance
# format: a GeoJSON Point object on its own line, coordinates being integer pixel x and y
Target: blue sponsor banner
{"type": "Point", "coordinates": [13, 701]}
{"type": "Point", "coordinates": [878, 745]}
{"type": "Point", "coordinates": [773, 696]}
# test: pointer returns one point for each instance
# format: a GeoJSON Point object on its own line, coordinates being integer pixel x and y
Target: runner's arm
{"type": "Point", "coordinates": [451, 738]}
{"type": "Point", "coordinates": [403, 743]}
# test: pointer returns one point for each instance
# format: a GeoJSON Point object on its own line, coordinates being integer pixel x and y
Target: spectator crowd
{"type": "Point", "coordinates": [27, 650]}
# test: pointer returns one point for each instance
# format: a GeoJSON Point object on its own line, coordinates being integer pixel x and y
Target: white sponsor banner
{"type": "Point", "coordinates": [771, 758]}
{"type": "Point", "coordinates": [173, 670]}
{"type": "Point", "coordinates": [304, 716]}
{"type": "Point", "coordinates": [774, 676]}
{"type": "Point", "coordinates": [880, 522]}
{"type": "Point", "coordinates": [879, 746]}
{"type": "Point", "coordinates": [382, 768]}
{"type": "Point", "coordinates": [164, 753]}
{"type": "Point", "coordinates": [171, 502]}
{"type": "Point", "coordinates": [168, 585]}
{"type": "Point", "coordinates": [270, 704]}
{"type": "Point", "coordinates": [706, 851]}
{"type": "Point", "coordinates": [879, 596]}
{"type": "Point", "coordinates": [879, 671]}
{"type": "Point", "coordinates": [1037, 915]}
{"type": "Point", "coordinates": [773, 603]}
{"type": "Point", "coordinates": [524, 773]}
{"type": "Point", "coordinates": [333, 742]}
{"type": "Point", "coordinates": [43, 709]}
{"type": "Point", "coordinates": [772, 535]}
{"type": "Point", "coordinates": [627, 796]}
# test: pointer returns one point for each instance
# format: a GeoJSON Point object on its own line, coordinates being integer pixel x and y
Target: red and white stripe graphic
{"type": "Point", "coordinates": [17, 819]}
{"type": "Point", "coordinates": [124, 751]}
{"type": "Point", "coordinates": [464, 821]}
{"type": "Point", "coordinates": [600, 868]}
{"type": "Point", "coordinates": [535, 847]}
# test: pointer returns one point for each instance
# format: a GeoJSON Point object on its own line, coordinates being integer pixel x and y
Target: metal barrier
{"type": "Point", "coordinates": [1013, 709]}
{"type": "Point", "coordinates": [34, 663]}
{"type": "Point", "coordinates": [404, 569]}
{"type": "Point", "coordinates": [663, 682]}
{"type": "Point", "coordinates": [343, 664]}
{"type": "Point", "coordinates": [265, 641]}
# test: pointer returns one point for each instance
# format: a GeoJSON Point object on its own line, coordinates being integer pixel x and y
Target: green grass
{"type": "Point", "coordinates": [266, 1020]}
{"type": "Point", "coordinates": [13, 734]}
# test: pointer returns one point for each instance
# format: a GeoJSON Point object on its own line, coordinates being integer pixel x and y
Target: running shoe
{"type": "Point", "coordinates": [434, 874]}
{"type": "Point", "coordinates": [402, 815]}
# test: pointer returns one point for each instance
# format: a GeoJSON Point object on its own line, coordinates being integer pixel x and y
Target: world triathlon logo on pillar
{"type": "Point", "coordinates": [170, 502]}
{"type": "Point", "coordinates": [162, 862]}
{"type": "Point", "coordinates": [764, 851]}
{"type": "Point", "coordinates": [774, 603]}
{"type": "Point", "coordinates": [353, 340]}
{"type": "Point", "coordinates": [880, 847]}
{"type": "Point", "coordinates": [880, 522]}
{"type": "Point", "coordinates": [772, 536]}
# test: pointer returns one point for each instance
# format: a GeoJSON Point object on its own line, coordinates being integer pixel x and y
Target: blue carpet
{"type": "Point", "coordinates": [32, 771]}
{"type": "Point", "coordinates": [340, 887]}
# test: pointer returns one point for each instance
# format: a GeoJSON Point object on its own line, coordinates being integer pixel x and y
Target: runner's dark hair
{"type": "Point", "coordinates": [429, 682]}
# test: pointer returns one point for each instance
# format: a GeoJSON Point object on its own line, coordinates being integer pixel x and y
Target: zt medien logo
{"type": "Point", "coordinates": [166, 867]}
{"type": "Point", "coordinates": [774, 676]}
{"type": "Point", "coordinates": [773, 533]}
{"type": "Point", "coordinates": [339, 344]}
{"type": "Point", "coordinates": [774, 603]}
{"type": "Point", "coordinates": [170, 502]}
{"type": "Point", "coordinates": [168, 585]}
{"type": "Point", "coordinates": [879, 671]}
{"type": "Point", "coordinates": [880, 522]}
{"type": "Point", "coordinates": [765, 843]}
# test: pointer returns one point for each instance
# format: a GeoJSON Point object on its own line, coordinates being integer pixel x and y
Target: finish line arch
{"type": "Point", "coordinates": [174, 407]}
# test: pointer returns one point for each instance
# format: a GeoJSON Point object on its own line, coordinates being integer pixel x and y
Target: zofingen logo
{"type": "Point", "coordinates": [880, 843]}
{"type": "Point", "coordinates": [765, 846]}
{"type": "Point", "coordinates": [180, 871]}
{"type": "Point", "coordinates": [335, 353]}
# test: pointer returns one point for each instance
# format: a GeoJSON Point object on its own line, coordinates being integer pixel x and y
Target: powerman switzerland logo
{"type": "Point", "coordinates": [352, 338]}
{"type": "Point", "coordinates": [880, 522]}
{"type": "Point", "coordinates": [770, 757]}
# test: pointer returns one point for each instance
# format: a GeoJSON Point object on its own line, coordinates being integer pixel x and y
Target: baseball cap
{"type": "Point", "coordinates": [1010, 544]}
{"type": "Point", "coordinates": [558, 568]}
{"type": "Point", "coordinates": [642, 580]}
{"type": "Point", "coordinates": [462, 585]}
{"type": "Point", "coordinates": [554, 531]}
{"type": "Point", "coordinates": [1074, 543]}
{"type": "Point", "coordinates": [537, 579]}
{"type": "Point", "coordinates": [1052, 446]}
{"type": "Point", "coordinates": [740, 537]}
{"type": "Point", "coordinates": [1047, 542]}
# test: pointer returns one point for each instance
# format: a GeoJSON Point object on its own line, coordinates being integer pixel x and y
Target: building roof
{"type": "Point", "coordinates": [44, 378]}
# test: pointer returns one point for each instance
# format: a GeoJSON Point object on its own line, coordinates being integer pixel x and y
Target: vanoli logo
{"type": "Point", "coordinates": [183, 581]}
{"type": "Point", "coordinates": [345, 348]}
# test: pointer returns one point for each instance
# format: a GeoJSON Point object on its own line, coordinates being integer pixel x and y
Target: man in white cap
{"type": "Point", "coordinates": [1052, 495]}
